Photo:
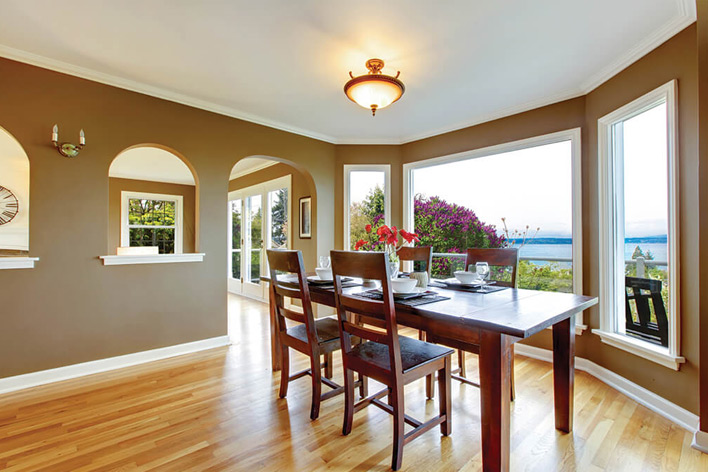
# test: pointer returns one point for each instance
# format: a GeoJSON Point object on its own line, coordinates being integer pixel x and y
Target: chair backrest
{"type": "Point", "coordinates": [374, 266]}
{"type": "Point", "coordinates": [291, 282]}
{"type": "Point", "coordinates": [420, 253]}
{"type": "Point", "coordinates": [506, 257]}
{"type": "Point", "coordinates": [643, 292]}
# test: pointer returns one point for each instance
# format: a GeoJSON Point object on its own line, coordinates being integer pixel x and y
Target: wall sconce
{"type": "Point", "coordinates": [68, 149]}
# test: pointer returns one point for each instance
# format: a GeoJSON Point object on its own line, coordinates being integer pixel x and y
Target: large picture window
{"type": "Point", "coordinates": [638, 227]}
{"type": "Point", "coordinates": [366, 199]}
{"type": "Point", "coordinates": [152, 220]}
{"type": "Point", "coordinates": [524, 194]}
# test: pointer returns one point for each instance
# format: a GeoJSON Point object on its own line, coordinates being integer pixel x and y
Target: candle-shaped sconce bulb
{"type": "Point", "coordinates": [55, 133]}
{"type": "Point", "coordinates": [82, 138]}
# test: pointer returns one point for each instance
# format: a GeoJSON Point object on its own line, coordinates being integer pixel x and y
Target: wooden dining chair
{"type": "Point", "coordinates": [312, 337]}
{"type": "Point", "coordinates": [382, 354]}
{"type": "Point", "coordinates": [417, 254]}
{"type": "Point", "coordinates": [502, 258]}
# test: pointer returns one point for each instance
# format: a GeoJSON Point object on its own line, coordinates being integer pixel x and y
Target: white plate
{"type": "Point", "coordinates": [316, 279]}
{"type": "Point", "coordinates": [456, 282]}
{"type": "Point", "coordinates": [416, 290]}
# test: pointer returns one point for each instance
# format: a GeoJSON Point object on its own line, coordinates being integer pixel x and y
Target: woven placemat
{"type": "Point", "coordinates": [376, 295]}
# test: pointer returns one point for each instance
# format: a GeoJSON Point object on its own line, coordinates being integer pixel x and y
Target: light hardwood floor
{"type": "Point", "coordinates": [219, 410]}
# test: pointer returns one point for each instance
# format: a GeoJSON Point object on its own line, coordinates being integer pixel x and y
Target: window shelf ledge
{"type": "Point", "coordinates": [657, 354]}
{"type": "Point", "coordinates": [152, 259]}
{"type": "Point", "coordinates": [18, 262]}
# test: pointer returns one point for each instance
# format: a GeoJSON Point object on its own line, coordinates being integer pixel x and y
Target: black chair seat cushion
{"type": "Point", "coordinates": [413, 353]}
{"type": "Point", "coordinates": [327, 330]}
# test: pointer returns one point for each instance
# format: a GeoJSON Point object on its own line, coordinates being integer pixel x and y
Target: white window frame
{"type": "Point", "coordinates": [348, 169]}
{"type": "Point", "coordinates": [610, 174]}
{"type": "Point", "coordinates": [574, 136]}
{"type": "Point", "coordinates": [126, 196]}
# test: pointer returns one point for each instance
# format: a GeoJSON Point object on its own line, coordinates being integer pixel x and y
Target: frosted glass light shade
{"type": "Point", "coordinates": [374, 90]}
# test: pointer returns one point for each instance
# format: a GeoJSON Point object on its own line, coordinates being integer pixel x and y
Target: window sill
{"type": "Point", "coordinates": [152, 259]}
{"type": "Point", "coordinates": [657, 354]}
{"type": "Point", "coordinates": [17, 262]}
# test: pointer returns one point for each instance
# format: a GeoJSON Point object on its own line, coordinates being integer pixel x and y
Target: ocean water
{"type": "Point", "coordinates": [658, 250]}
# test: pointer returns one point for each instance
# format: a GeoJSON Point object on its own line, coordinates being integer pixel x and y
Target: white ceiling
{"type": "Point", "coordinates": [283, 63]}
{"type": "Point", "coordinates": [153, 164]}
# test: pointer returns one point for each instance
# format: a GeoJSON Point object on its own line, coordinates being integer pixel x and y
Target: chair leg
{"type": "Point", "coordinates": [511, 377]}
{"type": "Point", "coordinates": [284, 370]}
{"type": "Point", "coordinates": [444, 386]}
{"type": "Point", "coordinates": [316, 386]}
{"type": "Point", "coordinates": [363, 386]}
{"type": "Point", "coordinates": [329, 370]}
{"type": "Point", "coordinates": [348, 401]}
{"type": "Point", "coordinates": [396, 396]}
{"type": "Point", "coordinates": [461, 362]}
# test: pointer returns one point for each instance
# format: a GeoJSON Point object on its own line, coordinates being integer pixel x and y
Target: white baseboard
{"type": "Point", "coordinates": [700, 441]}
{"type": "Point", "coordinates": [33, 379]}
{"type": "Point", "coordinates": [641, 395]}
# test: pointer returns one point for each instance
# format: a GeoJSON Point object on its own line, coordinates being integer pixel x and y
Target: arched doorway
{"type": "Point", "coordinates": [264, 212]}
{"type": "Point", "coordinates": [14, 197]}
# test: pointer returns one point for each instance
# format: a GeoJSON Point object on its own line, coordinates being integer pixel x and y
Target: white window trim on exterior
{"type": "Point", "coordinates": [572, 135]}
{"type": "Point", "coordinates": [124, 208]}
{"type": "Point", "coordinates": [611, 294]}
{"type": "Point", "coordinates": [348, 169]}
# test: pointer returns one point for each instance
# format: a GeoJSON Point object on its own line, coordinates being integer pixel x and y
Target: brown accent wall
{"type": "Point", "coordinates": [675, 59]}
{"type": "Point", "coordinates": [300, 188]}
{"type": "Point", "coordinates": [702, 53]}
{"type": "Point", "coordinates": [70, 308]}
{"type": "Point", "coordinates": [116, 186]}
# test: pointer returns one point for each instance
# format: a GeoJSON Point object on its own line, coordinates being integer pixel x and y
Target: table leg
{"type": "Point", "coordinates": [495, 392]}
{"type": "Point", "coordinates": [275, 347]}
{"type": "Point", "coordinates": [564, 373]}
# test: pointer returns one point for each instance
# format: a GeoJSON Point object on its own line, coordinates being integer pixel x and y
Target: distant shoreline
{"type": "Point", "coordinates": [645, 240]}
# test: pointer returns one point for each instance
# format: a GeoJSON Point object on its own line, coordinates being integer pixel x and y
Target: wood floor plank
{"type": "Point", "coordinates": [218, 410]}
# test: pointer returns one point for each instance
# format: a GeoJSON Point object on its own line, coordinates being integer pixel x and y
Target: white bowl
{"type": "Point", "coordinates": [324, 274]}
{"type": "Point", "coordinates": [465, 277]}
{"type": "Point", "coordinates": [403, 285]}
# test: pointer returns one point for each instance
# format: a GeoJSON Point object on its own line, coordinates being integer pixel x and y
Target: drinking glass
{"type": "Point", "coordinates": [482, 269]}
{"type": "Point", "coordinates": [325, 262]}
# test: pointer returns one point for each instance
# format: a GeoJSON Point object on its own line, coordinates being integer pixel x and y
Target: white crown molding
{"type": "Point", "coordinates": [686, 16]}
{"type": "Point", "coordinates": [157, 92]}
{"type": "Point", "coordinates": [641, 395]}
{"type": "Point", "coordinates": [250, 170]}
{"type": "Point", "coordinates": [17, 262]}
{"type": "Point", "coordinates": [34, 379]}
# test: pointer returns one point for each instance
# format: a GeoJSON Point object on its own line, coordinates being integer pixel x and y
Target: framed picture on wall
{"type": "Point", "coordinates": [306, 217]}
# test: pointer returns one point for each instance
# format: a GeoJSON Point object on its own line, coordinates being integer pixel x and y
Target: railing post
{"type": "Point", "coordinates": [640, 267]}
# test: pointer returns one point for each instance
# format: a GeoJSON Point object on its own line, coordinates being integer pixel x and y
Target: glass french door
{"type": "Point", "coordinates": [259, 217]}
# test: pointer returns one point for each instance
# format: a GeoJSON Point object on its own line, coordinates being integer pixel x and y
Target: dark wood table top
{"type": "Point", "coordinates": [515, 312]}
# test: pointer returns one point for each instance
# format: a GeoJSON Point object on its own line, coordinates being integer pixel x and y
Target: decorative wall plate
{"type": "Point", "coordinates": [9, 205]}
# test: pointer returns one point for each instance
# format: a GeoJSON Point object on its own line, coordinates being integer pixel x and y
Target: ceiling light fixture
{"type": "Point", "coordinates": [374, 90]}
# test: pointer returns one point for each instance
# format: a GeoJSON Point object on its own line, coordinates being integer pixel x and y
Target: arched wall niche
{"type": "Point", "coordinates": [14, 197]}
{"type": "Point", "coordinates": [257, 169]}
{"type": "Point", "coordinates": [153, 201]}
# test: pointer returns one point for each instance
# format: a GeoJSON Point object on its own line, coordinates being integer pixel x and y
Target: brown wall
{"type": "Point", "coordinates": [300, 188]}
{"type": "Point", "coordinates": [70, 308]}
{"type": "Point", "coordinates": [116, 186]}
{"type": "Point", "coordinates": [703, 202]}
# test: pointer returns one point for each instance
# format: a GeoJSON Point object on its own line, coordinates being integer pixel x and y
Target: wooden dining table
{"type": "Point", "coordinates": [492, 321]}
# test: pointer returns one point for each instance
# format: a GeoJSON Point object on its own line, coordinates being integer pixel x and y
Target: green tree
{"type": "Point", "coordinates": [279, 215]}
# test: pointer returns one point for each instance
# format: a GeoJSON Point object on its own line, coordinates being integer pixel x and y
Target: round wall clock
{"type": "Point", "coordinates": [9, 205]}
